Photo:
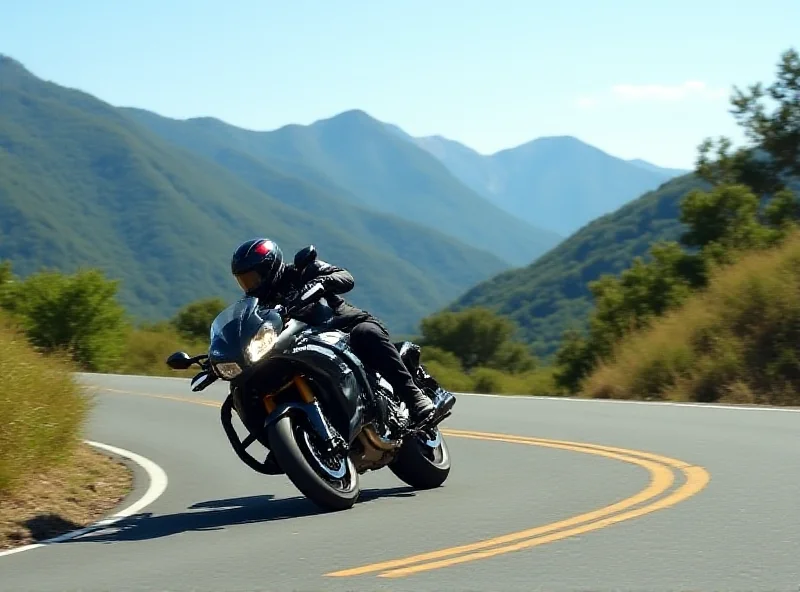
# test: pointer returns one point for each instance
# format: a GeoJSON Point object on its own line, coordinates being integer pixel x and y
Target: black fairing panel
{"type": "Point", "coordinates": [351, 392]}
{"type": "Point", "coordinates": [341, 349]}
{"type": "Point", "coordinates": [341, 393]}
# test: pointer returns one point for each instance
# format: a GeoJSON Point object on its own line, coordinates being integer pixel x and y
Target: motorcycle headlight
{"type": "Point", "coordinates": [261, 343]}
{"type": "Point", "coordinates": [228, 370]}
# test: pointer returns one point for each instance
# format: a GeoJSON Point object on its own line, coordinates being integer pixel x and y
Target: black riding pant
{"type": "Point", "coordinates": [370, 341]}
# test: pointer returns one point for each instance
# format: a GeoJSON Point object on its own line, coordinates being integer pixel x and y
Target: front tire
{"type": "Point", "coordinates": [330, 488]}
{"type": "Point", "coordinates": [423, 461]}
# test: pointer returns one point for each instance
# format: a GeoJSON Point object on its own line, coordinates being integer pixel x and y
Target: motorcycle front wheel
{"type": "Point", "coordinates": [332, 484]}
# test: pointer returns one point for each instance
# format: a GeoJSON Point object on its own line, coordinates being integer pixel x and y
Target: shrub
{"type": "Point", "coordinates": [78, 314]}
{"type": "Point", "coordinates": [194, 320]}
{"type": "Point", "coordinates": [147, 350]}
{"type": "Point", "coordinates": [737, 341]}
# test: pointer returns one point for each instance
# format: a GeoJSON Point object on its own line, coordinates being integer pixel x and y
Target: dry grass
{"type": "Point", "coordinates": [42, 409]}
{"type": "Point", "coordinates": [736, 342]}
{"type": "Point", "coordinates": [78, 492]}
{"type": "Point", "coordinates": [49, 482]}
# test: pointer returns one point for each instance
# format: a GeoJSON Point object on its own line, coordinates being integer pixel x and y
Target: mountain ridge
{"type": "Point", "coordinates": [559, 182]}
{"type": "Point", "coordinates": [353, 156]}
{"type": "Point", "coordinates": [82, 184]}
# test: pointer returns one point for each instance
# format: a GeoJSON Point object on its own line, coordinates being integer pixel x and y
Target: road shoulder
{"type": "Point", "coordinates": [64, 498]}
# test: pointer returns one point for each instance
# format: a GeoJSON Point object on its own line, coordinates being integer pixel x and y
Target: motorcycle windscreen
{"type": "Point", "coordinates": [232, 329]}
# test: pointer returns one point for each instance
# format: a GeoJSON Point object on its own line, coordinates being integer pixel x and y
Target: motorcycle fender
{"type": "Point", "coordinates": [284, 409]}
{"type": "Point", "coordinates": [312, 412]}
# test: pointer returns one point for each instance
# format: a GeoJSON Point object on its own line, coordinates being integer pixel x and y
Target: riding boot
{"type": "Point", "coordinates": [419, 404]}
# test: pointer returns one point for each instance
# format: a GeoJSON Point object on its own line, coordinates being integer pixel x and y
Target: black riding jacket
{"type": "Point", "coordinates": [335, 280]}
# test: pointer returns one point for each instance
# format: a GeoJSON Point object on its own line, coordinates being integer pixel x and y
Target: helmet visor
{"type": "Point", "coordinates": [248, 281]}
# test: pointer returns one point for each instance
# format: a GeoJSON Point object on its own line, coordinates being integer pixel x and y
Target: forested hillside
{"type": "Point", "coordinates": [83, 185]}
{"type": "Point", "coordinates": [552, 294]}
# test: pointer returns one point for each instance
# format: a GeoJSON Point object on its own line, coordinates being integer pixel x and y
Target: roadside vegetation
{"type": "Point", "coordinates": [50, 482]}
{"type": "Point", "coordinates": [475, 350]}
{"type": "Point", "coordinates": [42, 408]}
{"type": "Point", "coordinates": [736, 342]}
{"type": "Point", "coordinates": [79, 318]}
{"type": "Point", "coordinates": [711, 316]}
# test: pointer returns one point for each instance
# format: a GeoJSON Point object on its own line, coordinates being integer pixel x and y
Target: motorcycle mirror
{"type": "Point", "coordinates": [305, 257]}
{"type": "Point", "coordinates": [179, 361]}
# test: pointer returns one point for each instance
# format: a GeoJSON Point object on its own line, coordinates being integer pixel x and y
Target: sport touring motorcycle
{"type": "Point", "coordinates": [301, 392]}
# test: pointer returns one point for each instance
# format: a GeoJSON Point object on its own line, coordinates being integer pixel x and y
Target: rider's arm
{"type": "Point", "coordinates": [336, 280]}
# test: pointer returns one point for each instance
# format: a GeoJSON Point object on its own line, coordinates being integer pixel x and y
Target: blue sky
{"type": "Point", "coordinates": [636, 78]}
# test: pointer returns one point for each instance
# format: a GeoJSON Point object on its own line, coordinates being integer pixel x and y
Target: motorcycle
{"type": "Point", "coordinates": [301, 392]}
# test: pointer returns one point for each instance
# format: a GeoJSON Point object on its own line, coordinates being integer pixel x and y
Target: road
{"type": "Point", "coordinates": [700, 498]}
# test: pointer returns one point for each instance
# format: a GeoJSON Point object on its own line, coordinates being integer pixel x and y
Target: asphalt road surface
{"type": "Point", "coordinates": [544, 494]}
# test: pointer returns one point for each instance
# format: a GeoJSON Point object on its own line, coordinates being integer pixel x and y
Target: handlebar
{"type": "Point", "coordinates": [315, 293]}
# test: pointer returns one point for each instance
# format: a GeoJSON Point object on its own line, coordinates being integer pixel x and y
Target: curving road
{"type": "Point", "coordinates": [667, 498]}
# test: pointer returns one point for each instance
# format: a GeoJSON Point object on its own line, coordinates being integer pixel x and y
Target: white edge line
{"type": "Point", "coordinates": [158, 484]}
{"type": "Point", "coordinates": [534, 397]}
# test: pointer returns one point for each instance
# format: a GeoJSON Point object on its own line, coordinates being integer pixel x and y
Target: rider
{"type": "Point", "coordinates": [259, 268]}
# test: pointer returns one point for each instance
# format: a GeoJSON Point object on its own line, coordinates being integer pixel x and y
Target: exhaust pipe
{"type": "Point", "coordinates": [377, 441]}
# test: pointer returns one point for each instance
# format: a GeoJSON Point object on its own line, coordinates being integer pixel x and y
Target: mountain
{"type": "Point", "coordinates": [649, 166]}
{"type": "Point", "coordinates": [357, 159]}
{"type": "Point", "coordinates": [82, 184]}
{"type": "Point", "coordinates": [559, 183]}
{"type": "Point", "coordinates": [552, 294]}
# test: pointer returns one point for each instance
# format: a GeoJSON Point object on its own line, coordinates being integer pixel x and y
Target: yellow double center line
{"type": "Point", "coordinates": [662, 471]}
{"type": "Point", "coordinates": [661, 479]}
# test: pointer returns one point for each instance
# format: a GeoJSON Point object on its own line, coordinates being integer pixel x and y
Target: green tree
{"type": "Point", "coordinates": [777, 132]}
{"type": "Point", "coordinates": [478, 337]}
{"type": "Point", "coordinates": [194, 320]}
{"type": "Point", "coordinates": [627, 303]}
{"type": "Point", "coordinates": [726, 221]}
{"type": "Point", "coordinates": [574, 361]}
{"type": "Point", "coordinates": [783, 212]}
{"type": "Point", "coordinates": [772, 160]}
{"type": "Point", "coordinates": [75, 313]}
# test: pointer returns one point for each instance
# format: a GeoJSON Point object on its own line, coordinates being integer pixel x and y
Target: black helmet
{"type": "Point", "coordinates": [257, 265]}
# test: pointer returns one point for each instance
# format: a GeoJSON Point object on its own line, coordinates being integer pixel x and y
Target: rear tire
{"type": "Point", "coordinates": [293, 448]}
{"type": "Point", "coordinates": [423, 463]}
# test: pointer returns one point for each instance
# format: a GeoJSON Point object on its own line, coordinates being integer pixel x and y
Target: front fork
{"type": "Point", "coordinates": [308, 405]}
{"type": "Point", "coordinates": [330, 439]}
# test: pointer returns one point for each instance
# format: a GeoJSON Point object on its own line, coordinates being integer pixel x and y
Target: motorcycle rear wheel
{"type": "Point", "coordinates": [423, 461]}
{"type": "Point", "coordinates": [332, 488]}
